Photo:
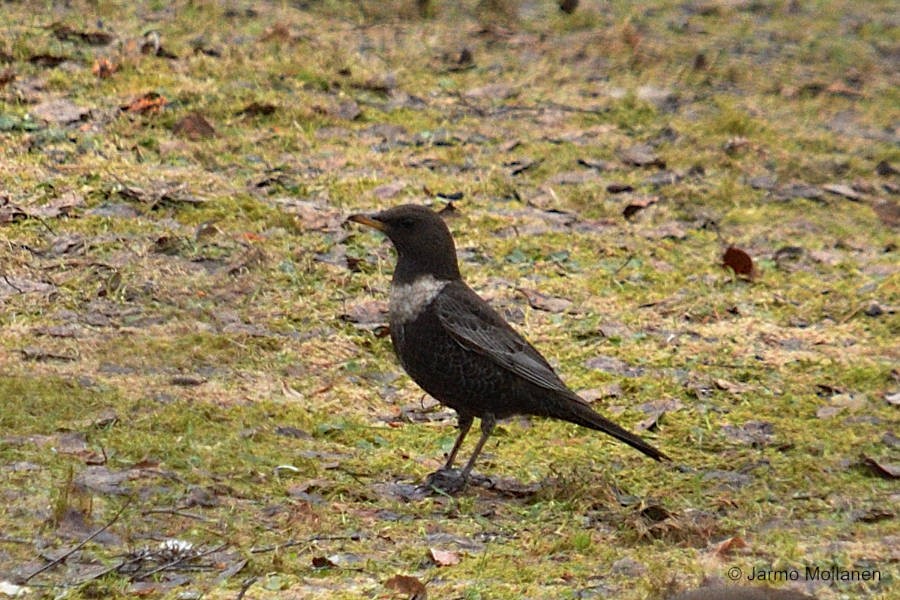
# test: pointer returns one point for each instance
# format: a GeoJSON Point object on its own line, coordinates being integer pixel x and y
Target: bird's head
{"type": "Point", "coordinates": [422, 240]}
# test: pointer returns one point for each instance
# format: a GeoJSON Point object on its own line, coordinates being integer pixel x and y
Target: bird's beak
{"type": "Point", "coordinates": [367, 220]}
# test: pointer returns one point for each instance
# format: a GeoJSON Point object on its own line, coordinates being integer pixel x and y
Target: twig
{"type": "Point", "coordinates": [245, 585]}
{"type": "Point", "coordinates": [291, 543]}
{"type": "Point", "coordinates": [176, 512]}
{"type": "Point", "coordinates": [80, 545]}
{"type": "Point", "coordinates": [623, 265]}
{"type": "Point", "coordinates": [179, 560]}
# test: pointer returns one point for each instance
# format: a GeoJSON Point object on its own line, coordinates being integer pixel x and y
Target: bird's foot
{"type": "Point", "coordinates": [447, 481]}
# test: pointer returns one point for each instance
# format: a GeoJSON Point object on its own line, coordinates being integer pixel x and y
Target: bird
{"type": "Point", "coordinates": [461, 351]}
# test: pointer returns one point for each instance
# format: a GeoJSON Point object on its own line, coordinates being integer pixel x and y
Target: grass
{"type": "Point", "coordinates": [180, 369]}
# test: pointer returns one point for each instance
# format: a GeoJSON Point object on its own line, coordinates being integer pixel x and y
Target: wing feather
{"type": "Point", "coordinates": [478, 328]}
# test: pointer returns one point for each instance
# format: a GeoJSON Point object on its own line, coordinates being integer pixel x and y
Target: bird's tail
{"type": "Point", "coordinates": [576, 411]}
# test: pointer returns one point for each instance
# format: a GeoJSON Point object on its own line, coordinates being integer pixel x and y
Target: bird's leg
{"type": "Point", "coordinates": [465, 423]}
{"type": "Point", "coordinates": [487, 426]}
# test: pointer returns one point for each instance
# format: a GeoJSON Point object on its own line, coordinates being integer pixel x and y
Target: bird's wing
{"type": "Point", "coordinates": [478, 328]}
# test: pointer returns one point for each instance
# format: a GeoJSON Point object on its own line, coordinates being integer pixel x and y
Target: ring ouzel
{"type": "Point", "coordinates": [460, 350]}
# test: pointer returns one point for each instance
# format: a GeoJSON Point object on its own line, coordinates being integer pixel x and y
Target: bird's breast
{"type": "Point", "coordinates": [408, 300]}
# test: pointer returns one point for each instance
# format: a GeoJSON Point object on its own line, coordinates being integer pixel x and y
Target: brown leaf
{"type": "Point", "coordinates": [738, 261]}
{"type": "Point", "coordinates": [638, 204]}
{"type": "Point", "coordinates": [7, 75]}
{"type": "Point", "coordinates": [104, 68]}
{"type": "Point", "coordinates": [842, 189]}
{"type": "Point", "coordinates": [492, 91]}
{"type": "Point", "coordinates": [151, 102]}
{"type": "Point", "coordinates": [69, 34]}
{"type": "Point", "coordinates": [348, 110]}
{"type": "Point", "coordinates": [881, 468]}
{"type": "Point", "coordinates": [257, 109]}
{"type": "Point", "coordinates": [725, 547]}
{"type": "Point", "coordinates": [47, 60]}
{"type": "Point", "coordinates": [641, 155]}
{"type": "Point", "coordinates": [61, 112]}
{"type": "Point", "coordinates": [888, 211]}
{"type": "Point", "coordinates": [443, 558]}
{"type": "Point", "coordinates": [405, 584]}
{"type": "Point", "coordinates": [541, 301]}
{"type": "Point", "coordinates": [194, 126]}
{"type": "Point", "coordinates": [655, 411]}
{"type": "Point", "coordinates": [367, 313]}
{"type": "Point", "coordinates": [389, 190]}
{"type": "Point", "coordinates": [322, 562]}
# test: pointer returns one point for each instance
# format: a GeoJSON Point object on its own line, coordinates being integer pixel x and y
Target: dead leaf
{"type": "Point", "coordinates": [60, 112]}
{"type": "Point", "coordinates": [405, 584]}
{"type": "Point", "coordinates": [322, 562]}
{"type": "Point", "coordinates": [7, 75]}
{"type": "Point", "coordinates": [443, 558]}
{"type": "Point", "coordinates": [69, 34]}
{"type": "Point", "coordinates": [104, 68]}
{"type": "Point", "coordinates": [568, 6]}
{"type": "Point", "coordinates": [641, 155]}
{"type": "Point", "coordinates": [348, 110]}
{"type": "Point", "coordinates": [655, 411]}
{"type": "Point", "coordinates": [149, 103]}
{"type": "Point", "coordinates": [613, 366]}
{"type": "Point", "coordinates": [368, 314]}
{"type": "Point", "coordinates": [492, 91]}
{"type": "Point", "coordinates": [842, 189]}
{"type": "Point", "coordinates": [255, 109]}
{"type": "Point", "coordinates": [47, 60]}
{"type": "Point", "coordinates": [727, 546]}
{"type": "Point", "coordinates": [886, 169]}
{"type": "Point", "coordinates": [541, 301]}
{"type": "Point", "coordinates": [517, 167]}
{"type": "Point", "coordinates": [39, 355]}
{"type": "Point", "coordinates": [738, 261]}
{"type": "Point", "coordinates": [888, 211]}
{"type": "Point", "coordinates": [194, 126]}
{"type": "Point", "coordinates": [881, 468]}
{"type": "Point", "coordinates": [757, 434]}
{"type": "Point", "coordinates": [389, 190]}
{"type": "Point", "coordinates": [638, 204]}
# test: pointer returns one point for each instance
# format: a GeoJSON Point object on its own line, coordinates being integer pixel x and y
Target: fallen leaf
{"type": "Point", "coordinates": [405, 584]}
{"type": "Point", "coordinates": [888, 211]}
{"type": "Point", "coordinates": [322, 562]}
{"type": "Point", "coordinates": [255, 109]}
{"type": "Point", "coordinates": [545, 302]}
{"type": "Point", "coordinates": [842, 189]}
{"type": "Point", "coordinates": [757, 434]}
{"type": "Point", "coordinates": [641, 155]}
{"type": "Point", "coordinates": [738, 261]}
{"type": "Point", "coordinates": [492, 91]}
{"type": "Point", "coordinates": [194, 126]}
{"type": "Point", "coordinates": [881, 468]}
{"type": "Point", "coordinates": [61, 112]}
{"type": "Point", "coordinates": [725, 547]}
{"type": "Point", "coordinates": [443, 558]}
{"type": "Point", "coordinates": [104, 68]}
{"type": "Point", "coordinates": [151, 102]}
{"type": "Point", "coordinates": [68, 34]}
{"type": "Point", "coordinates": [655, 411]}
{"type": "Point", "coordinates": [638, 204]}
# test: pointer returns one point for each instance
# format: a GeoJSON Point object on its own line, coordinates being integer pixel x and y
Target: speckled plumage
{"type": "Point", "coordinates": [461, 351]}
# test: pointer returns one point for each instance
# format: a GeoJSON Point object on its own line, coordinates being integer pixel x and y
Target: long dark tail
{"type": "Point", "coordinates": [576, 411]}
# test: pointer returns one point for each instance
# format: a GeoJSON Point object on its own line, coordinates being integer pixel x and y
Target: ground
{"type": "Point", "coordinates": [689, 207]}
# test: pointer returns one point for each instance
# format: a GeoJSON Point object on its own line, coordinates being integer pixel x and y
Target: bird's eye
{"type": "Point", "coordinates": [407, 222]}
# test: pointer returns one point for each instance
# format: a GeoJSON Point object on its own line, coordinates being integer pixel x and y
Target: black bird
{"type": "Point", "coordinates": [461, 351]}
